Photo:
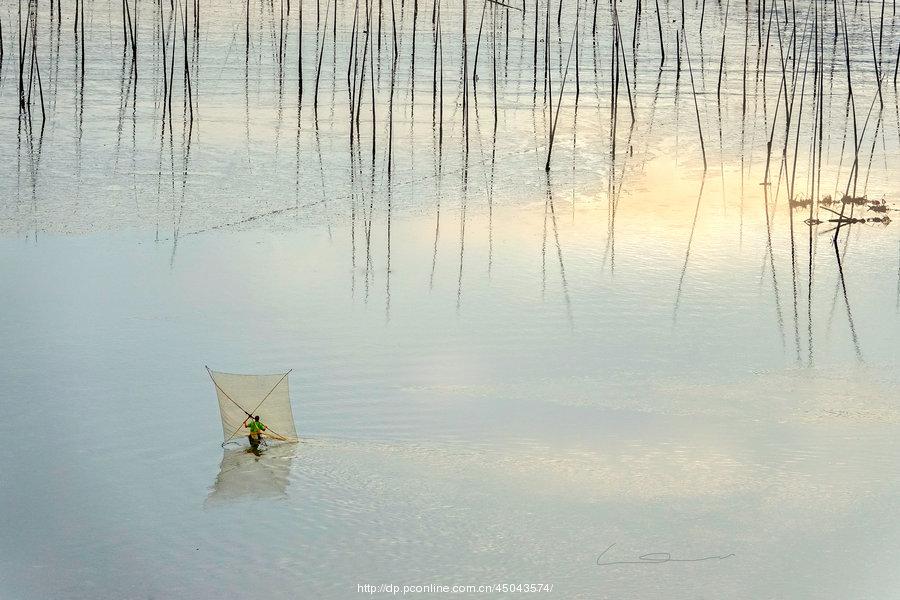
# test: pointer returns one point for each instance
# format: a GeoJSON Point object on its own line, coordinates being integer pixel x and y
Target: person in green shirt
{"type": "Point", "coordinates": [256, 429]}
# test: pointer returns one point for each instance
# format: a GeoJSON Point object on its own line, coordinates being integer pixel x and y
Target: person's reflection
{"type": "Point", "coordinates": [249, 474]}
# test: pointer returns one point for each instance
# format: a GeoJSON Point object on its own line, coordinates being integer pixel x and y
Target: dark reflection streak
{"type": "Point", "coordinates": [559, 254]}
{"type": "Point", "coordinates": [247, 93]}
{"type": "Point", "coordinates": [163, 46]}
{"type": "Point", "coordinates": [195, 46]}
{"type": "Point", "coordinates": [794, 288]}
{"type": "Point", "coordinates": [34, 160]}
{"type": "Point", "coordinates": [79, 50]}
{"type": "Point", "coordinates": [483, 158]}
{"type": "Point", "coordinates": [279, 107]}
{"type": "Point", "coordinates": [334, 80]}
{"type": "Point", "coordinates": [172, 35]}
{"type": "Point", "coordinates": [477, 122]}
{"type": "Point", "coordinates": [809, 289]}
{"type": "Point", "coordinates": [283, 20]}
{"type": "Point", "coordinates": [31, 18]}
{"type": "Point", "coordinates": [755, 130]}
{"type": "Point", "coordinates": [437, 90]}
{"type": "Point", "coordinates": [744, 78]}
{"type": "Point", "coordinates": [37, 164]}
{"type": "Point", "coordinates": [635, 45]}
{"type": "Point", "coordinates": [837, 283]}
{"type": "Point", "coordinates": [743, 173]}
{"type": "Point", "coordinates": [297, 162]}
{"type": "Point", "coordinates": [574, 153]}
{"type": "Point", "coordinates": [771, 221]}
{"type": "Point", "coordinates": [436, 164]}
{"type": "Point", "coordinates": [54, 53]}
{"type": "Point", "coordinates": [721, 156]}
{"type": "Point", "coordinates": [171, 138]}
{"type": "Point", "coordinates": [134, 130]}
{"type": "Point", "coordinates": [596, 76]}
{"type": "Point", "coordinates": [79, 98]}
{"type": "Point", "coordinates": [534, 116]}
{"type": "Point", "coordinates": [187, 96]}
{"type": "Point", "coordinates": [187, 129]}
{"type": "Point", "coordinates": [559, 42]}
{"type": "Point", "coordinates": [274, 39]}
{"type": "Point", "coordinates": [491, 199]}
{"type": "Point", "coordinates": [762, 54]}
{"type": "Point", "coordinates": [390, 163]}
{"type": "Point", "coordinates": [123, 104]}
{"type": "Point", "coordinates": [370, 275]}
{"type": "Point", "coordinates": [610, 250]}
{"type": "Point", "coordinates": [19, 159]}
{"type": "Point", "coordinates": [621, 186]}
{"type": "Point", "coordinates": [398, 49]}
{"type": "Point", "coordinates": [462, 227]}
{"type": "Point", "coordinates": [791, 189]}
{"type": "Point", "coordinates": [616, 185]}
{"type": "Point", "coordinates": [778, 313]}
{"type": "Point", "coordinates": [853, 335]}
{"type": "Point", "coordinates": [353, 197]}
{"type": "Point", "coordinates": [610, 225]}
{"type": "Point", "coordinates": [387, 270]}
{"type": "Point", "coordinates": [676, 96]}
{"type": "Point", "coordinates": [412, 68]}
{"type": "Point", "coordinates": [653, 104]}
{"type": "Point", "coordinates": [320, 54]}
{"type": "Point", "coordinates": [372, 82]}
{"type": "Point", "coordinates": [614, 101]}
{"type": "Point", "coordinates": [544, 254]}
{"type": "Point", "coordinates": [506, 45]}
{"type": "Point", "coordinates": [159, 170]}
{"type": "Point", "coordinates": [274, 36]}
{"type": "Point", "coordinates": [322, 179]}
{"type": "Point", "coordinates": [702, 54]}
{"type": "Point", "coordinates": [438, 169]}
{"type": "Point", "coordinates": [687, 252]}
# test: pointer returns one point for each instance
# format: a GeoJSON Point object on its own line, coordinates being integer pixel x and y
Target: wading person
{"type": "Point", "coordinates": [256, 429]}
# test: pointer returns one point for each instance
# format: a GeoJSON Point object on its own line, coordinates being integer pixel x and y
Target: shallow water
{"type": "Point", "coordinates": [499, 375]}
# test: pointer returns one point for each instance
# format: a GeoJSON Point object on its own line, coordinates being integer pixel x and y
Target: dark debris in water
{"type": "Point", "coordinates": [877, 206]}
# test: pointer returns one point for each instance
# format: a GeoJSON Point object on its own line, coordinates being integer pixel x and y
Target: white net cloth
{"type": "Point", "coordinates": [265, 395]}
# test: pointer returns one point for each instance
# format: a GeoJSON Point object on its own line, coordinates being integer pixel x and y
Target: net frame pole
{"type": "Point", "coordinates": [218, 387]}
